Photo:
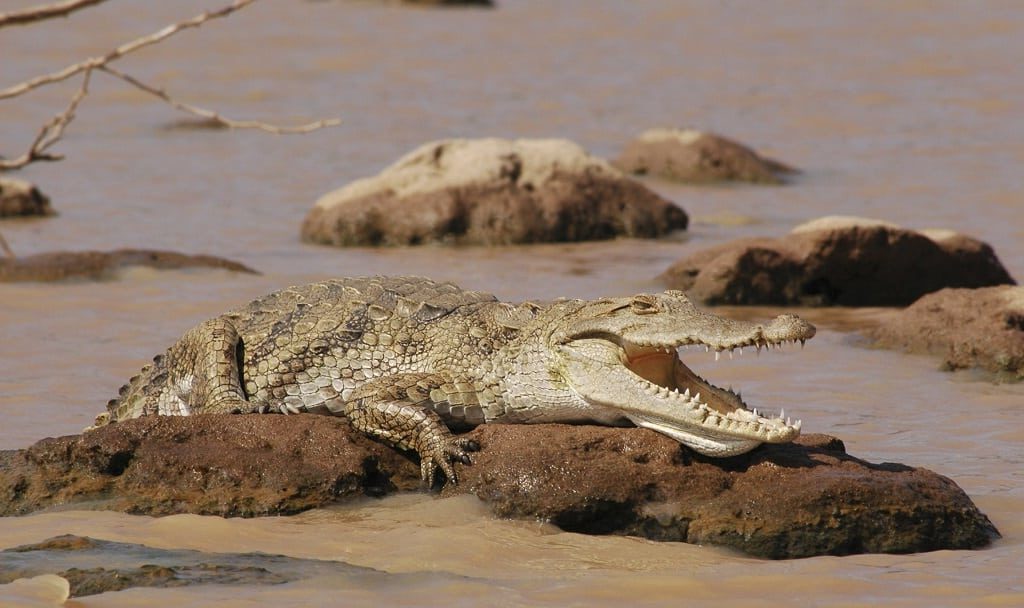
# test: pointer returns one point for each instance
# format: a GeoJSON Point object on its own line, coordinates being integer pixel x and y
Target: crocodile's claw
{"type": "Point", "coordinates": [279, 408]}
{"type": "Point", "coordinates": [287, 408]}
{"type": "Point", "coordinates": [443, 456]}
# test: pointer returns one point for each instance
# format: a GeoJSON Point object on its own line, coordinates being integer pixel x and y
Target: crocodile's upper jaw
{"type": "Point", "coordinates": [634, 371]}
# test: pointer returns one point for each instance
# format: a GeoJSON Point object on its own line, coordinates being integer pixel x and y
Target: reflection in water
{"type": "Point", "coordinates": [898, 110]}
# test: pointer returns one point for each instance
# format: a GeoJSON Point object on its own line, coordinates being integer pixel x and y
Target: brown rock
{"type": "Point", "coordinates": [632, 481]}
{"type": "Point", "coordinates": [99, 265]}
{"type": "Point", "coordinates": [982, 328]}
{"type": "Point", "coordinates": [688, 155]}
{"type": "Point", "coordinates": [21, 198]}
{"type": "Point", "coordinates": [837, 261]}
{"type": "Point", "coordinates": [488, 192]}
{"type": "Point", "coordinates": [583, 478]}
{"type": "Point", "coordinates": [219, 465]}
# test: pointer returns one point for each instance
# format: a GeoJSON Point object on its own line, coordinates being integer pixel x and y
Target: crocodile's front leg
{"type": "Point", "coordinates": [399, 410]}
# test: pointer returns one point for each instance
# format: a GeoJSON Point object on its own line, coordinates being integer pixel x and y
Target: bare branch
{"type": "Point", "coordinates": [53, 130]}
{"type": "Point", "coordinates": [41, 12]}
{"type": "Point", "coordinates": [124, 49]}
{"type": "Point", "coordinates": [214, 116]}
{"type": "Point", "coordinates": [50, 133]}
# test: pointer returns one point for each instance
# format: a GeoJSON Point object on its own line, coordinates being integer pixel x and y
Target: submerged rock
{"type": "Point", "coordinates": [688, 155]}
{"type": "Point", "coordinates": [100, 265]}
{"type": "Point", "coordinates": [19, 198]}
{"type": "Point", "coordinates": [488, 192]}
{"type": "Point", "coordinates": [128, 565]}
{"type": "Point", "coordinates": [968, 328]}
{"type": "Point", "coordinates": [451, 3]}
{"type": "Point", "coordinates": [587, 479]}
{"type": "Point", "coordinates": [845, 261]}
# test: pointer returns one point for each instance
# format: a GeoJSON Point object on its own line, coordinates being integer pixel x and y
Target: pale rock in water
{"type": "Point", "coordinates": [490, 192]}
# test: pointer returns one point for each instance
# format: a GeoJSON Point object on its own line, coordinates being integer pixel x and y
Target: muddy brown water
{"type": "Point", "coordinates": [906, 111]}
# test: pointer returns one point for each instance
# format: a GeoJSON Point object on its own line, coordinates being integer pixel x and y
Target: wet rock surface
{"type": "Point", "coordinates": [843, 261]}
{"type": "Point", "coordinates": [689, 155]}
{"type": "Point", "coordinates": [782, 501]}
{"type": "Point", "coordinates": [796, 500]}
{"type": "Point", "coordinates": [104, 265]}
{"type": "Point", "coordinates": [490, 192]}
{"type": "Point", "coordinates": [19, 198]}
{"type": "Point", "coordinates": [968, 328]}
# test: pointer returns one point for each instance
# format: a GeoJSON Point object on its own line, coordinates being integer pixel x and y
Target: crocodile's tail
{"type": "Point", "coordinates": [130, 401]}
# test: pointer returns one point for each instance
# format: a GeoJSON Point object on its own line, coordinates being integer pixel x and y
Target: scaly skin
{"type": "Point", "coordinates": [405, 358]}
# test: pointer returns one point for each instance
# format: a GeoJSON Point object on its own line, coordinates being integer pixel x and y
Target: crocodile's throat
{"type": "Point", "coordinates": [653, 388]}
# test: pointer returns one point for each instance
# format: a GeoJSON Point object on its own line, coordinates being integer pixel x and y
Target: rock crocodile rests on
{"type": "Point", "coordinates": [405, 358]}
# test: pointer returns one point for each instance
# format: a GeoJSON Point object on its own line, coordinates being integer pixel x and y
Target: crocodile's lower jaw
{"type": "Point", "coordinates": [718, 446]}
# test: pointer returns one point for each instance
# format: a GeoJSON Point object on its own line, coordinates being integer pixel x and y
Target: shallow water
{"type": "Point", "coordinates": [906, 111]}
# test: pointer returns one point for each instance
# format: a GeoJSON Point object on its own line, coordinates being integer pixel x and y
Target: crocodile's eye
{"type": "Point", "coordinates": [644, 304]}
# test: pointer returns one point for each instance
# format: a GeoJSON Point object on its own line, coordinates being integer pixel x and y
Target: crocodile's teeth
{"type": "Point", "coordinates": [717, 353]}
{"type": "Point", "coordinates": [686, 394]}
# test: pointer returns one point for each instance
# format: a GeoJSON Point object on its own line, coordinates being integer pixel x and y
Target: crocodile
{"type": "Point", "coordinates": [408, 360]}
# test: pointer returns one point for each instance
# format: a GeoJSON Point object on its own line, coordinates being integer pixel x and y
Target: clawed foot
{"type": "Point", "coordinates": [443, 456]}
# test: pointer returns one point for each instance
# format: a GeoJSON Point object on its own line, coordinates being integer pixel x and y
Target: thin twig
{"type": "Point", "coordinates": [124, 49]}
{"type": "Point", "coordinates": [50, 133]}
{"type": "Point", "coordinates": [41, 12]}
{"type": "Point", "coordinates": [214, 116]}
{"type": "Point", "coordinates": [7, 248]}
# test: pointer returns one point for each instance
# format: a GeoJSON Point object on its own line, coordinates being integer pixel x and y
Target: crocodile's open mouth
{"type": "Point", "coordinates": [726, 424]}
{"type": "Point", "coordinates": [653, 388]}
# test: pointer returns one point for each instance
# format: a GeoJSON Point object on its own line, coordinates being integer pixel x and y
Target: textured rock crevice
{"type": "Point", "coordinates": [583, 478]}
